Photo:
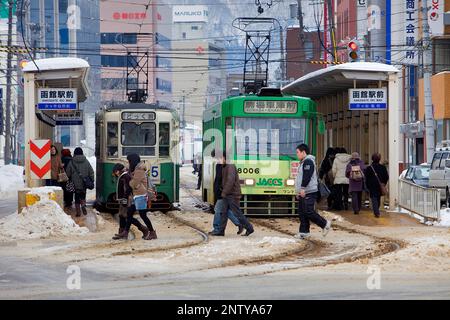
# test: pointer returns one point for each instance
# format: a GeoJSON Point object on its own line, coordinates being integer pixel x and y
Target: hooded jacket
{"type": "Point", "coordinates": [81, 164]}
{"type": "Point", "coordinates": [138, 182]}
{"type": "Point", "coordinates": [307, 176]}
{"type": "Point", "coordinates": [339, 166]}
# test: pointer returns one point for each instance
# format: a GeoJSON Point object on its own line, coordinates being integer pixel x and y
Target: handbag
{"type": "Point", "coordinates": [87, 181]}
{"type": "Point", "coordinates": [70, 186]}
{"type": "Point", "coordinates": [383, 187]}
{"type": "Point", "coordinates": [324, 190]}
{"type": "Point", "coordinates": [62, 176]}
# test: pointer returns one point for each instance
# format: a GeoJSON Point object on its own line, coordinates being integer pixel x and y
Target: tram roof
{"type": "Point", "coordinates": [339, 77]}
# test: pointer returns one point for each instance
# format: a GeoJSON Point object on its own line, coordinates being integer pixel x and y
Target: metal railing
{"type": "Point", "coordinates": [425, 202]}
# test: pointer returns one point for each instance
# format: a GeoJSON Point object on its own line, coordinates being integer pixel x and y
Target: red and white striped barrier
{"type": "Point", "coordinates": [40, 159]}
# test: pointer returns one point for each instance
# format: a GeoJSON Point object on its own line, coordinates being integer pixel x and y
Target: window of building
{"type": "Point", "coordinates": [183, 35]}
{"type": "Point", "coordinates": [309, 52]}
{"type": "Point", "coordinates": [115, 38]}
{"type": "Point", "coordinates": [115, 61]}
{"type": "Point", "coordinates": [194, 27]}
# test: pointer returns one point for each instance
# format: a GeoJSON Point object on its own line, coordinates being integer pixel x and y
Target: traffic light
{"type": "Point", "coordinates": [22, 64]}
{"type": "Point", "coordinates": [353, 51]}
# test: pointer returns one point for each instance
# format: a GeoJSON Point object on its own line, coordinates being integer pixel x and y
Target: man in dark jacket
{"type": "Point", "coordinates": [123, 193]}
{"type": "Point", "coordinates": [66, 160]}
{"type": "Point", "coordinates": [376, 174]}
{"type": "Point", "coordinates": [306, 187]}
{"type": "Point", "coordinates": [77, 170]}
{"type": "Point", "coordinates": [219, 203]}
{"type": "Point", "coordinates": [231, 195]}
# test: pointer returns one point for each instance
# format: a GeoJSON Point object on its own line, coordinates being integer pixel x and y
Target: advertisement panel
{"type": "Point", "coordinates": [187, 13]}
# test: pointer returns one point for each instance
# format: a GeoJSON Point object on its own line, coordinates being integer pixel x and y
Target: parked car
{"type": "Point", "coordinates": [418, 175]}
{"type": "Point", "coordinates": [440, 170]}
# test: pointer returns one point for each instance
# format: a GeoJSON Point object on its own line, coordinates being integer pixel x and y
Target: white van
{"type": "Point", "coordinates": [440, 170]}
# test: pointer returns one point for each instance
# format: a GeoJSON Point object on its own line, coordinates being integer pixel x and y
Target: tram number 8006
{"type": "Point", "coordinates": [248, 170]}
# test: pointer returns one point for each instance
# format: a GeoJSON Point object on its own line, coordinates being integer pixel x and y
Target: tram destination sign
{"type": "Point", "coordinates": [57, 99]}
{"type": "Point", "coordinates": [270, 106]}
{"type": "Point", "coordinates": [367, 99]}
{"type": "Point", "coordinates": [138, 116]}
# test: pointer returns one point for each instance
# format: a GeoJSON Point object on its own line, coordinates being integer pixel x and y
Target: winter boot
{"type": "Point", "coordinates": [120, 231]}
{"type": "Point", "coordinates": [122, 236]}
{"type": "Point", "coordinates": [78, 209]}
{"type": "Point", "coordinates": [83, 207]}
{"type": "Point", "coordinates": [151, 235]}
{"type": "Point", "coordinates": [144, 230]}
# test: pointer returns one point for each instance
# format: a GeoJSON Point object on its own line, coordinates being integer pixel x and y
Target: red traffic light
{"type": "Point", "coordinates": [352, 45]}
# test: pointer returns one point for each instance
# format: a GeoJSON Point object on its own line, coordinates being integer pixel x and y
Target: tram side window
{"type": "Point", "coordinates": [164, 139]}
{"type": "Point", "coordinates": [112, 141]}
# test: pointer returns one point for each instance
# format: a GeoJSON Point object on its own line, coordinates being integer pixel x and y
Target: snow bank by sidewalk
{"type": "Point", "coordinates": [41, 220]}
{"type": "Point", "coordinates": [11, 180]}
{"type": "Point", "coordinates": [445, 218]}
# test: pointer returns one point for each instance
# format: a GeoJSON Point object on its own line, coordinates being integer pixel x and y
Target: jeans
{"type": "Point", "coordinates": [356, 201]}
{"type": "Point", "coordinates": [217, 212]}
{"type": "Point", "coordinates": [233, 205]}
{"type": "Point", "coordinates": [307, 213]}
{"type": "Point", "coordinates": [375, 204]}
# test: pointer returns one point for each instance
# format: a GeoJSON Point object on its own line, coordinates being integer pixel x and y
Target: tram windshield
{"type": "Point", "coordinates": [138, 138]}
{"type": "Point", "coordinates": [270, 137]}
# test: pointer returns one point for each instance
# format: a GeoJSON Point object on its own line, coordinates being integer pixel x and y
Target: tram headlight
{"type": "Point", "coordinates": [249, 182]}
{"type": "Point", "coordinates": [290, 182]}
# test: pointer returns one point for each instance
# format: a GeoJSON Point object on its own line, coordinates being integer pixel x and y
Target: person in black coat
{"type": "Point", "coordinates": [374, 174]}
{"type": "Point", "coordinates": [326, 174]}
{"type": "Point", "coordinates": [68, 196]}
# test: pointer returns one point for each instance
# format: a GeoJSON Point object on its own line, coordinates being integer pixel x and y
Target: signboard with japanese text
{"type": "Point", "coordinates": [71, 118]}
{"type": "Point", "coordinates": [270, 106]}
{"type": "Point", "coordinates": [367, 99]}
{"type": "Point", "coordinates": [149, 116]}
{"type": "Point", "coordinates": [57, 99]}
{"type": "Point", "coordinates": [436, 17]}
{"type": "Point", "coordinates": [411, 30]}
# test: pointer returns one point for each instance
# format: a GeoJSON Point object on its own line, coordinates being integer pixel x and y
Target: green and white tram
{"type": "Point", "coordinates": [147, 130]}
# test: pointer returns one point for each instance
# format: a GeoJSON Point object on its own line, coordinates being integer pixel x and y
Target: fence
{"type": "Point", "coordinates": [425, 202]}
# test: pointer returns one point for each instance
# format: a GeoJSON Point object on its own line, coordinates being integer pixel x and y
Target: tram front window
{"type": "Point", "coordinates": [138, 138]}
{"type": "Point", "coordinates": [269, 136]}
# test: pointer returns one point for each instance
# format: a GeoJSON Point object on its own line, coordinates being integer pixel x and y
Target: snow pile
{"type": "Point", "coordinates": [11, 180]}
{"type": "Point", "coordinates": [445, 218]}
{"type": "Point", "coordinates": [41, 220]}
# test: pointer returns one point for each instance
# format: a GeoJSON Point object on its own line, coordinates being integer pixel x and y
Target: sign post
{"type": "Point", "coordinates": [70, 118]}
{"type": "Point", "coordinates": [40, 160]}
{"type": "Point", "coordinates": [57, 99]}
{"type": "Point", "coordinates": [367, 99]}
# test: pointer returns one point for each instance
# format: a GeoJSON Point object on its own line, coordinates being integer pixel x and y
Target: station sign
{"type": "Point", "coordinates": [57, 99]}
{"type": "Point", "coordinates": [270, 106]}
{"type": "Point", "coordinates": [367, 99]}
{"type": "Point", "coordinates": [71, 118]}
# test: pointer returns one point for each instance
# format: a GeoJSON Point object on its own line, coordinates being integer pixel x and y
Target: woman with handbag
{"type": "Point", "coordinates": [376, 180]}
{"type": "Point", "coordinates": [68, 194]}
{"type": "Point", "coordinates": [81, 173]}
{"type": "Point", "coordinates": [56, 167]}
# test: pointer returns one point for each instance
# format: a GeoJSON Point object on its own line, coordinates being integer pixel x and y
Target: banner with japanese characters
{"type": "Point", "coordinates": [411, 16]}
{"type": "Point", "coordinates": [367, 99]}
{"type": "Point", "coordinates": [57, 99]}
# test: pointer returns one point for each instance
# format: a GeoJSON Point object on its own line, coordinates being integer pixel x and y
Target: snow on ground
{"type": "Point", "coordinates": [445, 218]}
{"type": "Point", "coordinates": [11, 180]}
{"type": "Point", "coordinates": [41, 220]}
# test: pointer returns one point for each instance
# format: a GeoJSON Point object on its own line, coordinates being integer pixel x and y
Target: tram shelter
{"type": "Point", "coordinates": [365, 131]}
{"type": "Point", "coordinates": [64, 72]}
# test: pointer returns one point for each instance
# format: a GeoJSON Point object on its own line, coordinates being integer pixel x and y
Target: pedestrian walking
{"type": "Point", "coordinates": [80, 172]}
{"type": "Point", "coordinates": [139, 187]}
{"type": "Point", "coordinates": [200, 170]}
{"type": "Point", "coordinates": [306, 188]}
{"type": "Point", "coordinates": [68, 195]}
{"type": "Point", "coordinates": [231, 195]}
{"type": "Point", "coordinates": [355, 173]}
{"type": "Point", "coordinates": [219, 204]}
{"type": "Point", "coordinates": [56, 167]}
{"type": "Point", "coordinates": [340, 180]}
{"type": "Point", "coordinates": [376, 179]}
{"type": "Point", "coordinates": [326, 174]}
{"type": "Point", "coordinates": [123, 197]}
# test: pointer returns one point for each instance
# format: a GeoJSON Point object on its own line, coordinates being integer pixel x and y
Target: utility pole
{"type": "Point", "coordinates": [283, 58]}
{"type": "Point", "coordinates": [300, 21]}
{"type": "Point", "coordinates": [8, 87]}
{"type": "Point", "coordinates": [332, 34]}
{"type": "Point", "coordinates": [429, 118]}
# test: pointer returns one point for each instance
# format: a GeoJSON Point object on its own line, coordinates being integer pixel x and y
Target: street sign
{"type": "Point", "coordinates": [367, 99]}
{"type": "Point", "coordinates": [40, 159]}
{"type": "Point", "coordinates": [71, 118]}
{"type": "Point", "coordinates": [57, 99]}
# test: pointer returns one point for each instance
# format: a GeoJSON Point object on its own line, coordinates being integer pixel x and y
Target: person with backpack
{"type": "Point", "coordinates": [377, 177]}
{"type": "Point", "coordinates": [123, 193]}
{"type": "Point", "coordinates": [139, 187]}
{"type": "Point", "coordinates": [306, 188]}
{"type": "Point", "coordinates": [355, 174]}
{"type": "Point", "coordinates": [82, 175]}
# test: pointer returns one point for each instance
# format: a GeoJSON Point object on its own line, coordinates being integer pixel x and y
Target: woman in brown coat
{"type": "Point", "coordinates": [138, 185]}
{"type": "Point", "coordinates": [56, 167]}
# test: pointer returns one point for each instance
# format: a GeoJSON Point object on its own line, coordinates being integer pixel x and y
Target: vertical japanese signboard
{"type": "Point", "coordinates": [411, 10]}
{"type": "Point", "coordinates": [436, 17]}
